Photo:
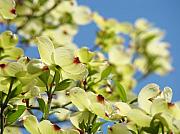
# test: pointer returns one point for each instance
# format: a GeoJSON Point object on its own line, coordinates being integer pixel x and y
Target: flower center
{"type": "Point", "coordinates": [56, 127]}
{"type": "Point", "coordinates": [13, 11]}
{"type": "Point", "coordinates": [76, 60]}
{"type": "Point", "coordinates": [100, 99]}
{"type": "Point", "coordinates": [2, 65]}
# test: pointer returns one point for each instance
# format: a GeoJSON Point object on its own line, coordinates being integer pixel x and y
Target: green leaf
{"type": "Point", "coordinates": [41, 2]}
{"type": "Point", "coordinates": [44, 77]}
{"type": "Point", "coordinates": [153, 129]}
{"type": "Point", "coordinates": [13, 116]}
{"type": "Point", "coordinates": [42, 104]}
{"type": "Point", "coordinates": [82, 125]}
{"type": "Point", "coordinates": [106, 72]}
{"type": "Point", "coordinates": [2, 95]}
{"type": "Point", "coordinates": [57, 76]}
{"type": "Point", "coordinates": [63, 85]}
{"type": "Point", "coordinates": [163, 118]}
{"type": "Point", "coordinates": [121, 91]}
{"type": "Point", "coordinates": [16, 91]}
{"type": "Point", "coordinates": [4, 56]}
{"type": "Point", "coordinates": [92, 72]}
{"type": "Point", "coordinates": [96, 126]}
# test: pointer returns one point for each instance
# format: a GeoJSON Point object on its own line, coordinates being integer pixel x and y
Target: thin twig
{"type": "Point", "coordinates": [53, 107]}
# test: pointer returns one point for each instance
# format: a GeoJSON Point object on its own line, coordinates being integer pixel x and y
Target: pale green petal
{"type": "Point", "coordinates": [125, 27]}
{"type": "Point", "coordinates": [46, 49]}
{"type": "Point", "coordinates": [14, 53]}
{"type": "Point", "coordinates": [99, 20]}
{"type": "Point", "coordinates": [82, 15]}
{"type": "Point", "coordinates": [35, 66]}
{"type": "Point", "coordinates": [146, 96]}
{"type": "Point", "coordinates": [46, 127]}
{"type": "Point", "coordinates": [176, 129]}
{"type": "Point", "coordinates": [79, 98]}
{"type": "Point", "coordinates": [12, 69]}
{"type": "Point", "coordinates": [67, 6]}
{"type": "Point", "coordinates": [92, 102]}
{"type": "Point", "coordinates": [118, 129]}
{"type": "Point", "coordinates": [12, 130]}
{"type": "Point", "coordinates": [159, 106]}
{"type": "Point", "coordinates": [33, 91]}
{"type": "Point", "coordinates": [62, 36]}
{"type": "Point", "coordinates": [139, 117]}
{"type": "Point", "coordinates": [99, 106]}
{"type": "Point", "coordinates": [158, 49]}
{"type": "Point", "coordinates": [124, 108]}
{"type": "Point", "coordinates": [152, 34]}
{"type": "Point", "coordinates": [74, 68]}
{"type": "Point", "coordinates": [174, 110]}
{"type": "Point", "coordinates": [33, 27]}
{"type": "Point", "coordinates": [131, 126]}
{"type": "Point", "coordinates": [84, 55]}
{"type": "Point", "coordinates": [118, 56]}
{"type": "Point", "coordinates": [71, 131]}
{"type": "Point", "coordinates": [79, 117]}
{"type": "Point", "coordinates": [165, 66]}
{"type": "Point", "coordinates": [100, 110]}
{"type": "Point", "coordinates": [62, 114]}
{"type": "Point", "coordinates": [80, 76]}
{"type": "Point", "coordinates": [142, 24]}
{"type": "Point", "coordinates": [141, 64]}
{"type": "Point", "coordinates": [31, 124]}
{"type": "Point", "coordinates": [166, 94]}
{"type": "Point", "coordinates": [63, 56]}
{"type": "Point", "coordinates": [7, 9]}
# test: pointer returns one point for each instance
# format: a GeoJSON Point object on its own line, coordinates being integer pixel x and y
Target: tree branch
{"type": "Point", "coordinates": [4, 105]}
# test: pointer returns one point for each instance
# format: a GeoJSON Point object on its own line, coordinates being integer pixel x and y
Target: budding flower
{"type": "Point", "coordinates": [8, 40]}
{"type": "Point", "coordinates": [36, 66]}
{"type": "Point", "coordinates": [84, 55]}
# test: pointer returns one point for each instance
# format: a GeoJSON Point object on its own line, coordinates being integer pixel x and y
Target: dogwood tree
{"type": "Point", "coordinates": [87, 87]}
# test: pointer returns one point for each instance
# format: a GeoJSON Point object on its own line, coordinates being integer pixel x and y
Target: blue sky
{"type": "Point", "coordinates": [163, 13]}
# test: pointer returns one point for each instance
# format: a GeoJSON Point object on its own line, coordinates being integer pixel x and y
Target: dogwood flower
{"type": "Point", "coordinates": [44, 127]}
{"type": "Point", "coordinates": [64, 57]}
{"type": "Point", "coordinates": [8, 51]}
{"type": "Point", "coordinates": [92, 102]}
{"type": "Point", "coordinates": [7, 9]}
